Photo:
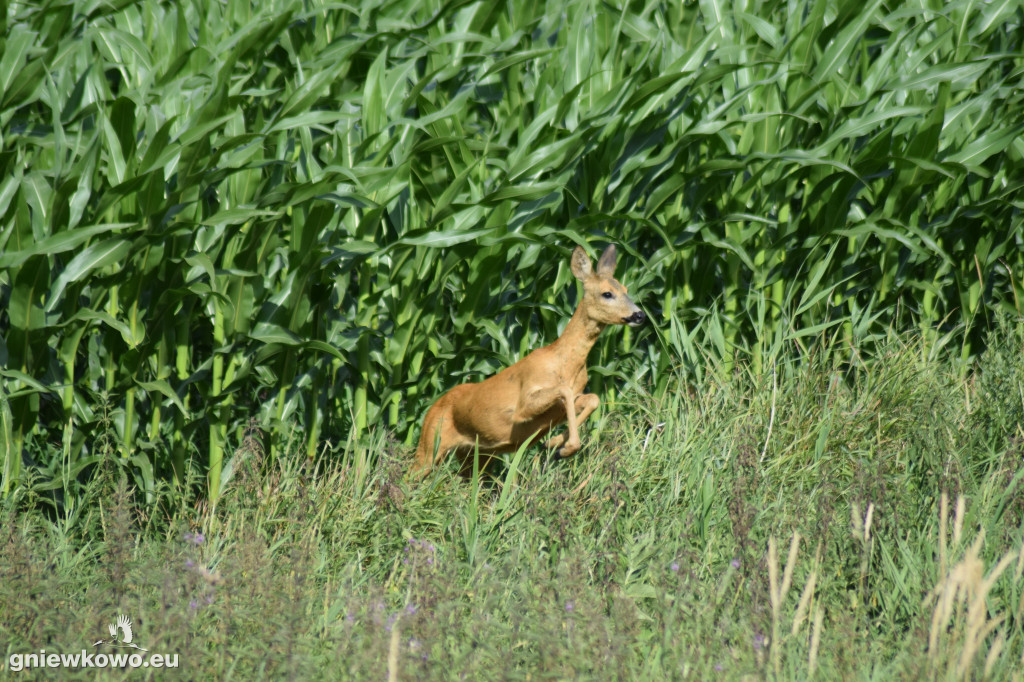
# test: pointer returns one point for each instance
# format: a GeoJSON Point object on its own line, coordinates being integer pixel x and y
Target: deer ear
{"type": "Point", "coordinates": [606, 265]}
{"type": "Point", "coordinates": [580, 263]}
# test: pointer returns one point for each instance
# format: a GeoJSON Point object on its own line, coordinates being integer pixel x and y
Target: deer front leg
{"type": "Point", "coordinates": [568, 446]}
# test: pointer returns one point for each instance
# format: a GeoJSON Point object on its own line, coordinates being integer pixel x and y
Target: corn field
{"type": "Point", "coordinates": [308, 219]}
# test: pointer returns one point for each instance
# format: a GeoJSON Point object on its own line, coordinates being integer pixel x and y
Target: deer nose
{"type": "Point", "coordinates": [639, 317]}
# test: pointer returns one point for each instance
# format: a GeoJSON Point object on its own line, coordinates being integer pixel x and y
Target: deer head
{"type": "Point", "coordinates": [605, 300]}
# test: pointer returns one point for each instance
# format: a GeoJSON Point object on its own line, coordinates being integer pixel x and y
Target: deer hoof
{"type": "Point", "coordinates": [568, 450]}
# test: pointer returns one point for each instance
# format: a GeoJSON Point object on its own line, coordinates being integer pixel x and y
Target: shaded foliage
{"type": "Point", "coordinates": [323, 215]}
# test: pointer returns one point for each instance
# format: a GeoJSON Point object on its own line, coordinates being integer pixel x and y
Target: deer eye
{"type": "Point", "coordinates": [608, 294]}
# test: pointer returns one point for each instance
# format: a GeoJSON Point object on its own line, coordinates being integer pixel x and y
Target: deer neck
{"type": "Point", "coordinates": [578, 338]}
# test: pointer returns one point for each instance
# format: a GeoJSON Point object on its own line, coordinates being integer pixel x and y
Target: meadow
{"type": "Point", "coordinates": [244, 246]}
{"type": "Point", "coordinates": [811, 524]}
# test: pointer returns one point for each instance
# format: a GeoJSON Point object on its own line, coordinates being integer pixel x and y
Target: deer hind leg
{"type": "Point", "coordinates": [567, 445]}
{"type": "Point", "coordinates": [438, 438]}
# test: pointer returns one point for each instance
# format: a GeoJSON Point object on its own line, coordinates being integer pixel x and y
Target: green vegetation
{"type": "Point", "coordinates": [318, 216]}
{"type": "Point", "coordinates": [244, 245]}
{"type": "Point", "coordinates": [662, 552]}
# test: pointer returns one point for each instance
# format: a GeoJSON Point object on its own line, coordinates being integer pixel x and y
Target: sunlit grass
{"type": "Point", "coordinates": [865, 527]}
{"type": "Point", "coordinates": [325, 215]}
{"type": "Point", "coordinates": [243, 247]}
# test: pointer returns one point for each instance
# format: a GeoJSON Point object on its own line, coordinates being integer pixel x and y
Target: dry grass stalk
{"type": "Point", "coordinates": [805, 596]}
{"type": "Point", "coordinates": [993, 653]}
{"type": "Point", "coordinates": [952, 591]}
{"type": "Point", "coordinates": [393, 653]}
{"type": "Point", "coordinates": [771, 418]}
{"type": "Point", "coordinates": [778, 591]}
{"type": "Point", "coordinates": [773, 588]}
{"type": "Point", "coordinates": [773, 573]}
{"type": "Point", "coordinates": [961, 598]}
{"type": "Point", "coordinates": [787, 574]}
{"type": "Point", "coordinates": [862, 532]}
{"type": "Point", "coordinates": [979, 627]}
{"type": "Point", "coordinates": [812, 657]}
{"type": "Point", "coordinates": [861, 527]}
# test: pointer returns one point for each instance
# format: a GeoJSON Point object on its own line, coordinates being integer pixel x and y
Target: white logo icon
{"type": "Point", "coordinates": [125, 627]}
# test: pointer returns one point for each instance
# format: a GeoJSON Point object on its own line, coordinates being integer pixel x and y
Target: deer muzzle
{"type": "Point", "coordinates": [636, 319]}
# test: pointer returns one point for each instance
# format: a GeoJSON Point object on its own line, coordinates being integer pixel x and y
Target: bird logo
{"type": "Point", "coordinates": [124, 626]}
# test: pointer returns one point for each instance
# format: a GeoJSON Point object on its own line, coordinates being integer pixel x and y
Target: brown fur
{"type": "Point", "coordinates": [523, 402]}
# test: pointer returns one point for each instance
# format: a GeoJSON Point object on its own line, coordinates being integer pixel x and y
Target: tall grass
{"type": "Point", "coordinates": [801, 528]}
{"type": "Point", "coordinates": [318, 216]}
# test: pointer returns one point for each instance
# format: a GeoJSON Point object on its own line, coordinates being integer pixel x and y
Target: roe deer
{"type": "Point", "coordinates": [523, 402]}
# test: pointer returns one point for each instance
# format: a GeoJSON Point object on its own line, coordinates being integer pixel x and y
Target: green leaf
{"type": "Point", "coordinates": [95, 257]}
{"type": "Point", "coordinates": [839, 50]}
{"type": "Point", "coordinates": [10, 453]}
{"type": "Point", "coordinates": [437, 239]}
{"type": "Point", "coordinates": [986, 145]}
{"type": "Point", "coordinates": [163, 388]}
{"type": "Point", "coordinates": [268, 333]}
{"type": "Point", "coordinates": [27, 294]}
{"type": "Point", "coordinates": [66, 240]}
